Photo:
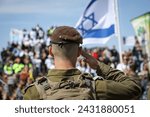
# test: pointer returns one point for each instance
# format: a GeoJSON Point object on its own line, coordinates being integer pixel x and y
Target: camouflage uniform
{"type": "Point", "coordinates": [115, 85]}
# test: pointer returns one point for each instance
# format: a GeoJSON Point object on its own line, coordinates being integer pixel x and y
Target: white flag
{"type": "Point", "coordinates": [129, 41]}
{"type": "Point", "coordinates": [97, 24]}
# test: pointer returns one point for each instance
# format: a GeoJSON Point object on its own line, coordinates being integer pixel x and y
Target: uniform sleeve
{"type": "Point", "coordinates": [116, 84]}
{"type": "Point", "coordinates": [109, 73]}
{"type": "Point", "coordinates": [148, 94]}
{"type": "Point", "coordinates": [31, 93]}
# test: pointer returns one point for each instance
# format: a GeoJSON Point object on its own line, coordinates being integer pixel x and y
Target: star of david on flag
{"type": "Point", "coordinates": [97, 24]}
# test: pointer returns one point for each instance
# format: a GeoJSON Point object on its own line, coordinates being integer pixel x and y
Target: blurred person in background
{"type": "Point", "coordinates": [124, 65]}
{"type": "Point", "coordinates": [5, 87]}
{"type": "Point", "coordinates": [138, 54]}
{"type": "Point", "coordinates": [107, 52]}
{"type": "Point", "coordinates": [114, 56]}
{"type": "Point", "coordinates": [36, 64]}
{"type": "Point", "coordinates": [49, 62]}
{"type": "Point", "coordinates": [8, 66]}
{"type": "Point", "coordinates": [18, 65]}
{"type": "Point", "coordinates": [144, 76]}
{"type": "Point", "coordinates": [43, 66]}
{"type": "Point", "coordinates": [95, 53]}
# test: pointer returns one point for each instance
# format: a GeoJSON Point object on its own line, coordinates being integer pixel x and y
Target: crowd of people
{"type": "Point", "coordinates": [21, 63]}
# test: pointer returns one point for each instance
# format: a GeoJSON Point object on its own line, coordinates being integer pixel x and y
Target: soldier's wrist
{"type": "Point", "coordinates": [102, 69]}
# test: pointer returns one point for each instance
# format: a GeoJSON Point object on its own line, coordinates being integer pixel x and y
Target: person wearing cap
{"type": "Point", "coordinates": [65, 48]}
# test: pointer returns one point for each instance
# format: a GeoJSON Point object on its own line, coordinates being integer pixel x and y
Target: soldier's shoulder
{"type": "Point", "coordinates": [30, 92]}
{"type": "Point", "coordinates": [87, 76]}
{"type": "Point", "coordinates": [29, 87]}
{"type": "Point", "coordinates": [90, 77]}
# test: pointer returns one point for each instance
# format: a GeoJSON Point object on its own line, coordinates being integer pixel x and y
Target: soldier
{"type": "Point", "coordinates": [67, 82]}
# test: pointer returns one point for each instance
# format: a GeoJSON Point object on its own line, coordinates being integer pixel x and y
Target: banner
{"type": "Point", "coordinates": [141, 26]}
{"type": "Point", "coordinates": [97, 24]}
{"type": "Point", "coordinates": [129, 41]}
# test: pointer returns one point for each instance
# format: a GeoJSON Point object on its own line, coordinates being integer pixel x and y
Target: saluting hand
{"type": "Point", "coordinates": [93, 63]}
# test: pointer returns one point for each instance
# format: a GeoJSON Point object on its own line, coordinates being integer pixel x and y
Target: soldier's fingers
{"type": "Point", "coordinates": [85, 54]}
{"type": "Point", "coordinates": [86, 60]}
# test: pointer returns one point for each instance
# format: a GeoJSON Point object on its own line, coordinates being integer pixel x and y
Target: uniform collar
{"type": "Point", "coordinates": [59, 74]}
{"type": "Point", "coordinates": [63, 72]}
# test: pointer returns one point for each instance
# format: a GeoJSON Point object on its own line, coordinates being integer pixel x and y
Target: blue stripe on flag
{"type": "Point", "coordinates": [90, 4]}
{"type": "Point", "coordinates": [100, 33]}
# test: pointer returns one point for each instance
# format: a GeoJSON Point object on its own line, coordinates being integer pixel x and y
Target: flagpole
{"type": "Point", "coordinates": [117, 28]}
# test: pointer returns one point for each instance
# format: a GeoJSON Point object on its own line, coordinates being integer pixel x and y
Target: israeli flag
{"type": "Point", "coordinates": [97, 24]}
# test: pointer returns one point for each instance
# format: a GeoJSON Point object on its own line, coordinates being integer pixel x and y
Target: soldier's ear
{"type": "Point", "coordinates": [79, 51]}
{"type": "Point", "coordinates": [50, 51]}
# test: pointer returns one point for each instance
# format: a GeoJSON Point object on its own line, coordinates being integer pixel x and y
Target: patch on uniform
{"type": "Point", "coordinates": [41, 80]}
{"type": "Point", "coordinates": [98, 78]}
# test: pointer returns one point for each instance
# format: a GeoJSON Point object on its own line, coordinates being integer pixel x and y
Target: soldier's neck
{"type": "Point", "coordinates": [64, 65]}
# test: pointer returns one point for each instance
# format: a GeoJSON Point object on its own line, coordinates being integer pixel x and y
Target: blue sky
{"type": "Point", "coordinates": [27, 13]}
